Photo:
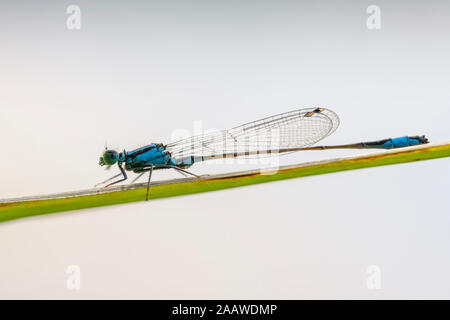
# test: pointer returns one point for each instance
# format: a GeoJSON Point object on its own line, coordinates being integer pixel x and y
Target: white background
{"type": "Point", "coordinates": [137, 72]}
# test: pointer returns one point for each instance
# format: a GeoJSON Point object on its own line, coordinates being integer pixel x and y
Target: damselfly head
{"type": "Point", "coordinates": [109, 158]}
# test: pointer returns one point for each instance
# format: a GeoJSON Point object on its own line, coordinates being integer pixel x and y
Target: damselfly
{"type": "Point", "coordinates": [280, 134]}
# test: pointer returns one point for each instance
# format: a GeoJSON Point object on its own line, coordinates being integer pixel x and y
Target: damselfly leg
{"type": "Point", "coordinates": [148, 184]}
{"type": "Point", "coordinates": [103, 182]}
{"type": "Point", "coordinates": [137, 177]}
{"type": "Point", "coordinates": [150, 168]}
{"type": "Point", "coordinates": [124, 177]}
{"type": "Point", "coordinates": [141, 172]}
{"type": "Point", "coordinates": [182, 171]}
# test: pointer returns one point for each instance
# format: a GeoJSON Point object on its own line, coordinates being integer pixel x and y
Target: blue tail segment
{"type": "Point", "coordinates": [393, 143]}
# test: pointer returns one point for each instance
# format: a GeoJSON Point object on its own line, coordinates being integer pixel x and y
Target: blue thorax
{"type": "Point", "coordinates": [154, 154]}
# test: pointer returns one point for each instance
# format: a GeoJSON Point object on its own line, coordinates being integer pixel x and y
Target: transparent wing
{"type": "Point", "coordinates": [294, 129]}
